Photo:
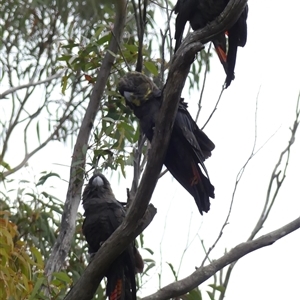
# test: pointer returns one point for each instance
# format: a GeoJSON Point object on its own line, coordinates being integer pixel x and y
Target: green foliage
{"type": "Point", "coordinates": [43, 179]}
{"type": "Point", "coordinates": [40, 39]}
{"type": "Point", "coordinates": [215, 288]}
{"type": "Point", "coordinates": [173, 271]}
{"type": "Point", "coordinates": [117, 129]}
{"type": "Point", "coordinates": [29, 230]}
{"type": "Point", "coordinates": [31, 35]}
{"type": "Point", "coordinates": [20, 266]}
{"type": "Point", "coordinates": [194, 294]}
{"type": "Point", "coordinates": [31, 226]}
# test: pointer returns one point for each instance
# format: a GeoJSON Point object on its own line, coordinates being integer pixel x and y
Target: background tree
{"type": "Point", "coordinates": [52, 47]}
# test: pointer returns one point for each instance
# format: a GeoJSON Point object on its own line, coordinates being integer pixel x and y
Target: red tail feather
{"type": "Point", "coordinates": [116, 294]}
{"type": "Point", "coordinates": [222, 55]}
{"type": "Point", "coordinates": [197, 178]}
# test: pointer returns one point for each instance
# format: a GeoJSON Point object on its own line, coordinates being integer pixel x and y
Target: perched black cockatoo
{"type": "Point", "coordinates": [103, 214]}
{"type": "Point", "coordinates": [189, 146]}
{"type": "Point", "coordinates": [199, 13]}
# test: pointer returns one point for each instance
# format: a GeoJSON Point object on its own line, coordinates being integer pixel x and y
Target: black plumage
{"type": "Point", "coordinates": [188, 147]}
{"type": "Point", "coordinates": [103, 215]}
{"type": "Point", "coordinates": [199, 13]}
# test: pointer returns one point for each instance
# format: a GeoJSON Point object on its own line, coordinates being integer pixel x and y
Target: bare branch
{"type": "Point", "coordinates": [171, 96]}
{"type": "Point", "coordinates": [215, 108]}
{"type": "Point", "coordinates": [237, 181]}
{"type": "Point", "coordinates": [30, 84]}
{"type": "Point", "coordinates": [140, 14]}
{"type": "Point", "coordinates": [274, 180]}
{"type": "Point", "coordinates": [202, 274]}
{"type": "Point", "coordinates": [164, 35]}
{"type": "Point", "coordinates": [51, 137]}
{"type": "Point", "coordinates": [204, 82]}
{"type": "Point", "coordinates": [137, 165]}
{"type": "Point", "coordinates": [276, 174]}
{"type": "Point", "coordinates": [63, 242]}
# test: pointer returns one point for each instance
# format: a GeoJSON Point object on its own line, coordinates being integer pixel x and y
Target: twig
{"type": "Point", "coordinates": [66, 115]}
{"type": "Point", "coordinates": [275, 176]}
{"type": "Point", "coordinates": [137, 165]}
{"type": "Point", "coordinates": [215, 108]}
{"type": "Point", "coordinates": [238, 178]}
{"type": "Point", "coordinates": [30, 84]}
{"type": "Point", "coordinates": [204, 82]}
{"type": "Point", "coordinates": [268, 205]}
{"type": "Point", "coordinates": [163, 173]}
{"type": "Point", "coordinates": [188, 243]}
{"type": "Point", "coordinates": [41, 146]}
{"type": "Point", "coordinates": [163, 43]}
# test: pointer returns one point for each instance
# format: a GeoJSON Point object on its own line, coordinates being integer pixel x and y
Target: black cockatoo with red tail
{"type": "Point", "coordinates": [103, 215]}
{"type": "Point", "coordinates": [199, 13]}
{"type": "Point", "coordinates": [188, 147]}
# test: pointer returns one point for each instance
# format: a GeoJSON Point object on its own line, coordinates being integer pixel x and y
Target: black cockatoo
{"type": "Point", "coordinates": [103, 214]}
{"type": "Point", "coordinates": [189, 146]}
{"type": "Point", "coordinates": [199, 13]}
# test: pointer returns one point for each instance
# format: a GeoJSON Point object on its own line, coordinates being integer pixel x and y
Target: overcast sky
{"type": "Point", "coordinates": [269, 63]}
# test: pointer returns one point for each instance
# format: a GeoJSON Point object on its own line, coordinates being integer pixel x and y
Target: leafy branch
{"type": "Point", "coordinates": [179, 70]}
{"type": "Point", "coordinates": [63, 242]}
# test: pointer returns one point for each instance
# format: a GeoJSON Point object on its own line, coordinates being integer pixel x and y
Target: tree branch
{"type": "Point", "coordinates": [52, 137]}
{"type": "Point", "coordinates": [88, 283]}
{"type": "Point", "coordinates": [278, 170]}
{"type": "Point", "coordinates": [171, 96]}
{"type": "Point", "coordinates": [270, 200]}
{"type": "Point", "coordinates": [119, 240]}
{"type": "Point", "coordinates": [30, 84]}
{"type": "Point", "coordinates": [206, 61]}
{"type": "Point", "coordinates": [236, 184]}
{"type": "Point", "coordinates": [63, 242]}
{"type": "Point", "coordinates": [227, 18]}
{"type": "Point", "coordinates": [202, 274]}
{"type": "Point", "coordinates": [215, 108]}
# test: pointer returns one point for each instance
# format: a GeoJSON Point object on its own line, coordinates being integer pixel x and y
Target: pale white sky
{"type": "Point", "coordinates": [270, 62]}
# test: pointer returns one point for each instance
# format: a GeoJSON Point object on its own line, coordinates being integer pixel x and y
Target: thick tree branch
{"type": "Point", "coordinates": [227, 18]}
{"type": "Point", "coordinates": [171, 95]}
{"type": "Point", "coordinates": [200, 275]}
{"type": "Point", "coordinates": [63, 242]}
{"type": "Point", "coordinates": [88, 283]}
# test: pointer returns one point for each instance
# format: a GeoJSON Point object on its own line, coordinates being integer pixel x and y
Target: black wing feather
{"type": "Point", "coordinates": [103, 215]}
{"type": "Point", "coordinates": [199, 13]}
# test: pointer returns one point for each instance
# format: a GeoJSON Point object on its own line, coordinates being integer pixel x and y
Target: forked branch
{"type": "Point", "coordinates": [202, 274]}
{"type": "Point", "coordinates": [171, 95]}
